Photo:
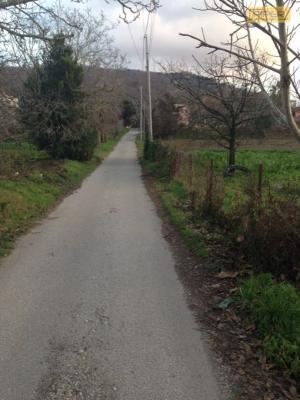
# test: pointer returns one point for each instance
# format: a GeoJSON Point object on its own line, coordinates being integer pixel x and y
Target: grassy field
{"type": "Point", "coordinates": [281, 173]}
{"type": "Point", "coordinates": [281, 168]}
{"type": "Point", "coordinates": [31, 183]}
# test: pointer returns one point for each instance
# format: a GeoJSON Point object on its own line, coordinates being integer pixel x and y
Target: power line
{"type": "Point", "coordinates": [143, 66]}
{"type": "Point", "coordinates": [147, 25]}
{"type": "Point", "coordinates": [152, 30]}
{"type": "Point", "coordinates": [135, 45]}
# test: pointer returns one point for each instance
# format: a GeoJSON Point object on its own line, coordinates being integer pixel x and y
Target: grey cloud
{"type": "Point", "coordinates": [173, 17]}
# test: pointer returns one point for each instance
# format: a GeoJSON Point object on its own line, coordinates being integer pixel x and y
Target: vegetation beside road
{"type": "Point", "coordinates": [274, 308]}
{"type": "Point", "coordinates": [174, 193]}
{"type": "Point", "coordinates": [31, 182]}
{"type": "Point", "coordinates": [55, 143]}
{"type": "Point", "coordinates": [244, 231]}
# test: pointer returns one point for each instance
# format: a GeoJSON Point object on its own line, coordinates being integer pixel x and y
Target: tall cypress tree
{"type": "Point", "coordinates": [51, 107]}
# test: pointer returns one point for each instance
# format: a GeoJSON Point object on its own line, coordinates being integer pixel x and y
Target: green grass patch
{"type": "Point", "coordinates": [172, 195]}
{"type": "Point", "coordinates": [281, 174]}
{"type": "Point", "coordinates": [275, 310]}
{"type": "Point", "coordinates": [31, 183]}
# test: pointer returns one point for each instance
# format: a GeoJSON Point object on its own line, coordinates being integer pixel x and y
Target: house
{"type": "Point", "coordinates": [8, 115]}
{"type": "Point", "coordinates": [183, 114]}
{"type": "Point", "coordinates": [296, 113]}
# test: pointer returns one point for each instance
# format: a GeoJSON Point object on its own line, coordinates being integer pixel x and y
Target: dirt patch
{"type": "Point", "coordinates": [232, 338]}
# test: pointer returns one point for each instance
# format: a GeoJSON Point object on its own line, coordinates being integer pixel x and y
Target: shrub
{"type": "Point", "coordinates": [82, 148]}
{"type": "Point", "coordinates": [149, 150]}
{"type": "Point", "coordinates": [207, 195]}
{"type": "Point", "coordinates": [275, 310]}
{"type": "Point", "coordinates": [272, 239]}
{"type": "Point", "coordinates": [162, 156]}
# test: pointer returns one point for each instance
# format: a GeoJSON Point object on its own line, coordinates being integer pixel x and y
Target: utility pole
{"type": "Point", "coordinates": [149, 89]}
{"type": "Point", "coordinates": [141, 113]}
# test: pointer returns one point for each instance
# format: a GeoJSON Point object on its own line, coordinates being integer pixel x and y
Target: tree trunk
{"type": "Point", "coordinates": [232, 148]}
{"type": "Point", "coordinates": [285, 74]}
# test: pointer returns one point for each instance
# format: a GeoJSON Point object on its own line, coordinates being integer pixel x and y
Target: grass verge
{"type": "Point", "coordinates": [31, 183]}
{"type": "Point", "coordinates": [174, 197]}
{"type": "Point", "coordinates": [274, 308]}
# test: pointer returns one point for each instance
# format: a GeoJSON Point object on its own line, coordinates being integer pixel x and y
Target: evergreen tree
{"type": "Point", "coordinates": [165, 117]}
{"type": "Point", "coordinates": [128, 112]}
{"type": "Point", "coordinates": [52, 107]}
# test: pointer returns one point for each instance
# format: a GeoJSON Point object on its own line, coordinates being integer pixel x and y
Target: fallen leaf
{"type": "Point", "coordinates": [216, 286]}
{"type": "Point", "coordinates": [227, 274]}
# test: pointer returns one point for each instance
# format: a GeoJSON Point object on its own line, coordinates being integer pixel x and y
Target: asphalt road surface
{"type": "Point", "coordinates": [90, 304]}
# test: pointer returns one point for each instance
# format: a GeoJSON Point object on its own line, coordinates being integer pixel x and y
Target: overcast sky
{"type": "Point", "coordinates": [173, 17]}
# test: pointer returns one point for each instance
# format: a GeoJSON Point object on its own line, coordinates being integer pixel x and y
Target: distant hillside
{"type": "Point", "coordinates": [129, 81]}
{"type": "Point", "coordinates": [126, 81]}
{"type": "Point", "coordinates": [160, 82]}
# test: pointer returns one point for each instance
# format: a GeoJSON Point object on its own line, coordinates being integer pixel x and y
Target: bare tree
{"type": "Point", "coordinates": [224, 93]}
{"type": "Point", "coordinates": [131, 9]}
{"type": "Point", "coordinates": [95, 48]}
{"type": "Point", "coordinates": [103, 100]}
{"type": "Point", "coordinates": [23, 24]}
{"type": "Point", "coordinates": [283, 58]}
{"type": "Point", "coordinates": [90, 35]}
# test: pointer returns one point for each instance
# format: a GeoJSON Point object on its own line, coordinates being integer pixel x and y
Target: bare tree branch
{"type": "Point", "coordinates": [275, 30]}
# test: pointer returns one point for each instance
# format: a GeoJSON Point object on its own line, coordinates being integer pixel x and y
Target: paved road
{"type": "Point", "coordinates": [90, 305]}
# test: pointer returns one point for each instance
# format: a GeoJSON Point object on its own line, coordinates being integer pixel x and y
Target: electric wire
{"type": "Point", "coordinates": [147, 25]}
{"type": "Point", "coordinates": [134, 44]}
{"type": "Point", "coordinates": [152, 26]}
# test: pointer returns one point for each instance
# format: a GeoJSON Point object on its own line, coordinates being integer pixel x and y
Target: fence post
{"type": "Point", "coordinates": [210, 177]}
{"type": "Point", "coordinates": [173, 165]}
{"type": "Point", "coordinates": [260, 181]}
{"type": "Point", "coordinates": [178, 162]}
{"type": "Point", "coordinates": [193, 200]}
{"type": "Point", "coordinates": [190, 172]}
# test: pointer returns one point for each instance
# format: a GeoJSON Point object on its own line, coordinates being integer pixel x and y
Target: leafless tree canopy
{"type": "Point", "coordinates": [24, 25]}
{"type": "Point", "coordinates": [132, 9]}
{"type": "Point", "coordinates": [223, 93]}
{"type": "Point", "coordinates": [90, 36]}
{"type": "Point", "coordinates": [283, 56]}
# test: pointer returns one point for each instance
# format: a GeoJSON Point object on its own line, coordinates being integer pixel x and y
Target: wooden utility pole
{"type": "Point", "coordinates": [141, 113]}
{"type": "Point", "coordinates": [149, 88]}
